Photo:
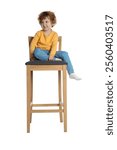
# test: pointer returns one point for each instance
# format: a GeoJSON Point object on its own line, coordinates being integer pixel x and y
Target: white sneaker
{"type": "Point", "coordinates": [58, 59]}
{"type": "Point", "coordinates": [74, 76]}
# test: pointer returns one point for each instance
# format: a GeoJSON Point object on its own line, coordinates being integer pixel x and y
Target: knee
{"type": "Point", "coordinates": [64, 54]}
{"type": "Point", "coordinates": [36, 52]}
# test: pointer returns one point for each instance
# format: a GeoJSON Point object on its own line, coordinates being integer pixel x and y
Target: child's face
{"type": "Point", "coordinates": [46, 24]}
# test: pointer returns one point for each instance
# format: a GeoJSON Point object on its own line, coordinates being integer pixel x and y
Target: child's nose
{"type": "Point", "coordinates": [44, 24]}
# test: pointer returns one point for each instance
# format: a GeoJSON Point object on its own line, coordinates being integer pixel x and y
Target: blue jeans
{"type": "Point", "coordinates": [44, 55]}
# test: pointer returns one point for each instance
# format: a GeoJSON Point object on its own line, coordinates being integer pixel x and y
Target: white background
{"type": "Point", "coordinates": [82, 26]}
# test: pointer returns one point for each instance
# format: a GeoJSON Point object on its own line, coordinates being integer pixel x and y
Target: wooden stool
{"type": "Point", "coordinates": [37, 65]}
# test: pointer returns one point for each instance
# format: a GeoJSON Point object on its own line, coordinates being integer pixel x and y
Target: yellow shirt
{"type": "Point", "coordinates": [44, 42]}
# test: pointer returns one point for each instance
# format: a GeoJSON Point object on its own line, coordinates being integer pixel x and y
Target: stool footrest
{"type": "Point", "coordinates": [44, 105]}
{"type": "Point", "coordinates": [47, 110]}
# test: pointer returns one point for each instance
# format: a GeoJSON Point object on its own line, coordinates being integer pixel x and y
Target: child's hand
{"type": "Point", "coordinates": [51, 57]}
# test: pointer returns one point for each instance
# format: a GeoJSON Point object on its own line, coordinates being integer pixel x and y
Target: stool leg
{"type": "Point", "coordinates": [65, 97]}
{"type": "Point", "coordinates": [28, 98]}
{"type": "Point", "coordinates": [60, 97]}
{"type": "Point", "coordinates": [31, 94]}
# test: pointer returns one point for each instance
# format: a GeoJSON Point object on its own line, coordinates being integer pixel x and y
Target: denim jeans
{"type": "Point", "coordinates": [44, 55]}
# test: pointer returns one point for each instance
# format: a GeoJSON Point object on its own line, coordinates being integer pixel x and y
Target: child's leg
{"type": "Point", "coordinates": [64, 56]}
{"type": "Point", "coordinates": [41, 54]}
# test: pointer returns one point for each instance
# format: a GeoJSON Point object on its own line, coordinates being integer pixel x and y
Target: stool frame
{"type": "Point", "coordinates": [62, 91]}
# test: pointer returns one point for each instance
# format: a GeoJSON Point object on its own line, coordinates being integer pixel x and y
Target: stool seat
{"type": "Point", "coordinates": [49, 62]}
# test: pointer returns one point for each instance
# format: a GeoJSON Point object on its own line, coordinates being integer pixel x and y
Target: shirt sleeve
{"type": "Point", "coordinates": [33, 43]}
{"type": "Point", "coordinates": [54, 45]}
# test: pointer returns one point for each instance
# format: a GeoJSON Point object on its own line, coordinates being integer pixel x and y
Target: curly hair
{"type": "Point", "coordinates": [49, 14]}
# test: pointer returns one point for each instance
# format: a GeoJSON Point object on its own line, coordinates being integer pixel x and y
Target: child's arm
{"type": "Point", "coordinates": [33, 44]}
{"type": "Point", "coordinates": [54, 47]}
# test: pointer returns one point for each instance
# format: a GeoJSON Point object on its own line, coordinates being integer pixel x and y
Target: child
{"type": "Point", "coordinates": [44, 43]}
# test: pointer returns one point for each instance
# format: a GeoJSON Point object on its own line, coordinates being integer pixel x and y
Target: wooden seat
{"type": "Point", "coordinates": [37, 65]}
